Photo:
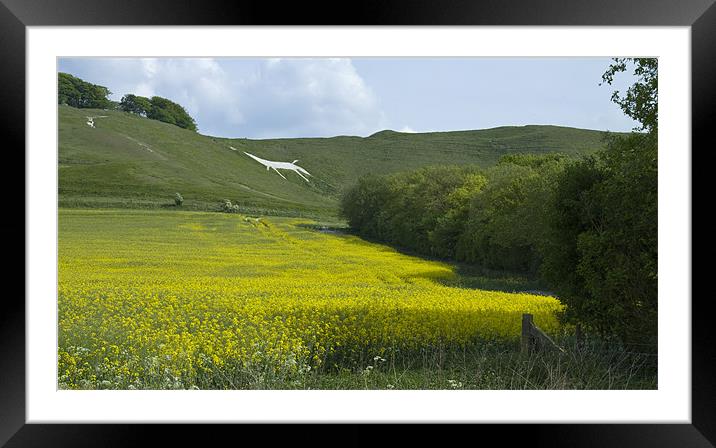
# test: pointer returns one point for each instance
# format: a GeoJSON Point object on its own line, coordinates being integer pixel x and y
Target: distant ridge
{"type": "Point", "coordinates": [111, 166]}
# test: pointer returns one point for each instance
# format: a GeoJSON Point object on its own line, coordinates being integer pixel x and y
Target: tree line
{"type": "Point", "coordinates": [158, 108]}
{"type": "Point", "coordinates": [586, 227]}
{"type": "Point", "coordinates": [493, 217]}
{"type": "Point", "coordinates": [76, 92]}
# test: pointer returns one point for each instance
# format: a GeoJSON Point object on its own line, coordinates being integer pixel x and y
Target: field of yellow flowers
{"type": "Point", "coordinates": [165, 299]}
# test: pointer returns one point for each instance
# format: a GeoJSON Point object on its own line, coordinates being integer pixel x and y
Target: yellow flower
{"type": "Point", "coordinates": [203, 295]}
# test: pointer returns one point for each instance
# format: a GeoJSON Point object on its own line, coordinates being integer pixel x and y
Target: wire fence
{"type": "Point", "coordinates": [534, 338]}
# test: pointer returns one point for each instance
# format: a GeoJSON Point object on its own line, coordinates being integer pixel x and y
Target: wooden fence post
{"type": "Point", "coordinates": [532, 336]}
{"type": "Point", "coordinates": [525, 341]}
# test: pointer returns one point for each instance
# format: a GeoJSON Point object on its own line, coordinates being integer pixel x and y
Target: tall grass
{"type": "Point", "coordinates": [491, 366]}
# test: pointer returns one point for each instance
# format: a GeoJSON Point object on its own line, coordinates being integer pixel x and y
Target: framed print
{"type": "Point", "coordinates": [234, 214]}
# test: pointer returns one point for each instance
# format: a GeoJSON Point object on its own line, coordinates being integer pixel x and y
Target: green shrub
{"type": "Point", "coordinates": [601, 256]}
{"type": "Point", "coordinates": [178, 200]}
{"type": "Point", "coordinates": [228, 207]}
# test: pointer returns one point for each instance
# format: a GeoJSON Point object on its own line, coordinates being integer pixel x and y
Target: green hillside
{"type": "Point", "coordinates": [129, 161]}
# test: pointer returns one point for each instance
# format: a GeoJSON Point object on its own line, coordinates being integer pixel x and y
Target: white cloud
{"type": "Point", "coordinates": [321, 97]}
{"type": "Point", "coordinates": [265, 98]}
{"type": "Point", "coordinates": [407, 129]}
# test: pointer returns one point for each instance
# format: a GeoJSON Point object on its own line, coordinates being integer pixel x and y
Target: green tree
{"type": "Point", "coordinates": [506, 226]}
{"type": "Point", "coordinates": [365, 204]}
{"type": "Point", "coordinates": [422, 210]}
{"type": "Point", "coordinates": [424, 205]}
{"type": "Point", "coordinates": [75, 92]}
{"type": "Point", "coordinates": [601, 254]}
{"type": "Point", "coordinates": [451, 224]}
{"type": "Point", "coordinates": [168, 111]}
{"type": "Point", "coordinates": [571, 212]}
{"type": "Point", "coordinates": [67, 93]}
{"type": "Point", "coordinates": [641, 101]}
{"type": "Point", "coordinates": [493, 217]}
{"type": "Point", "coordinates": [135, 104]}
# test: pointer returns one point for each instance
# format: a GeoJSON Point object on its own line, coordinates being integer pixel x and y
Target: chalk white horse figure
{"type": "Point", "coordinates": [280, 166]}
{"type": "Point", "coordinates": [90, 120]}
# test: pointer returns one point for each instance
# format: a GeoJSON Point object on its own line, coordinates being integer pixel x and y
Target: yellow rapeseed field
{"type": "Point", "coordinates": [173, 299]}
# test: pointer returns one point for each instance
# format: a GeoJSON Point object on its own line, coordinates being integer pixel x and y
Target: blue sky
{"type": "Point", "coordinates": [323, 97]}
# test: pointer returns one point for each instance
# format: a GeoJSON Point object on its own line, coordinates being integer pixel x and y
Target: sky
{"type": "Point", "coordinates": [325, 97]}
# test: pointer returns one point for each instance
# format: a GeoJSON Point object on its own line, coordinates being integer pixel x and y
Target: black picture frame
{"type": "Point", "coordinates": [16, 15]}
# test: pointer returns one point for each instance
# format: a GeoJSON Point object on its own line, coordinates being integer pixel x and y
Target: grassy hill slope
{"type": "Point", "coordinates": [129, 161]}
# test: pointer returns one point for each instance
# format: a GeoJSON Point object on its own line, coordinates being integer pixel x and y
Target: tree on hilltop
{"type": "Point", "coordinates": [168, 111]}
{"type": "Point", "coordinates": [75, 92]}
{"type": "Point", "coordinates": [135, 104]}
